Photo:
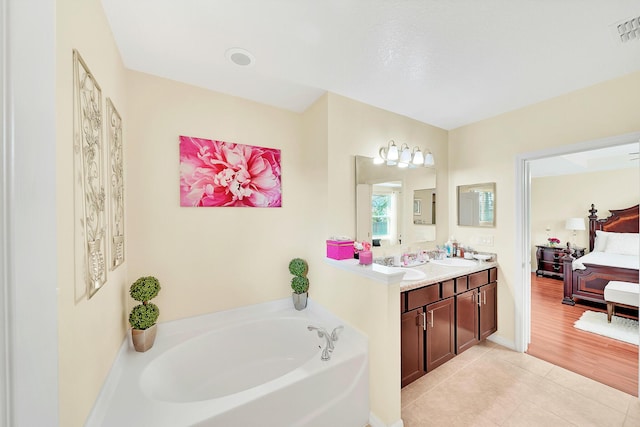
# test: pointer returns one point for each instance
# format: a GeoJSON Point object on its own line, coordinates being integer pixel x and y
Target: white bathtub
{"type": "Point", "coordinates": [257, 365]}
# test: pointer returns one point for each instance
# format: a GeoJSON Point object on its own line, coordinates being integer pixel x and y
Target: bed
{"type": "Point", "coordinates": [613, 255]}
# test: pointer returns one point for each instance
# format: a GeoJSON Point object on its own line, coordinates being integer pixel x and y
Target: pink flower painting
{"type": "Point", "coordinates": [218, 173]}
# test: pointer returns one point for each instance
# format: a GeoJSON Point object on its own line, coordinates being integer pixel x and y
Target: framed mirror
{"type": "Point", "coordinates": [386, 203]}
{"type": "Point", "coordinates": [424, 206]}
{"type": "Point", "coordinates": [477, 205]}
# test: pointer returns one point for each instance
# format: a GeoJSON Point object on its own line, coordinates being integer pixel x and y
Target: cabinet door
{"type": "Point", "coordinates": [488, 310]}
{"type": "Point", "coordinates": [466, 320]}
{"type": "Point", "coordinates": [412, 346]}
{"type": "Point", "coordinates": [440, 317]}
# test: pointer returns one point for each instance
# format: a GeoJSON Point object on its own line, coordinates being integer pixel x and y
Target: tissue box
{"type": "Point", "coordinates": [340, 249]}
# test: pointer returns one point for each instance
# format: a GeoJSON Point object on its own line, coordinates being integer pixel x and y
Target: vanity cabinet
{"type": "Point", "coordinates": [443, 319]}
{"type": "Point", "coordinates": [412, 346]}
{"type": "Point", "coordinates": [441, 333]}
{"type": "Point", "coordinates": [476, 310]}
{"type": "Point", "coordinates": [427, 339]}
{"type": "Point", "coordinates": [467, 320]}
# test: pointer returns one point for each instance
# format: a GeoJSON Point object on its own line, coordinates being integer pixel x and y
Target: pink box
{"type": "Point", "coordinates": [340, 249]}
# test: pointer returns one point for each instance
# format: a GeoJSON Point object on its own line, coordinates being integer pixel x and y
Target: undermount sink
{"type": "Point", "coordinates": [412, 273]}
{"type": "Point", "coordinates": [454, 262]}
{"type": "Point", "coordinates": [409, 273]}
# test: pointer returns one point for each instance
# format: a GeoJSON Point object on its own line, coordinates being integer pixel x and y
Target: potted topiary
{"type": "Point", "coordinates": [299, 283]}
{"type": "Point", "coordinates": [143, 316]}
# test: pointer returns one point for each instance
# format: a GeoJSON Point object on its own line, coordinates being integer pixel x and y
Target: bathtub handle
{"type": "Point", "coordinates": [336, 332]}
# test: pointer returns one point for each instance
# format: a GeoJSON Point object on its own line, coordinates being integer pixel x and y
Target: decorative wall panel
{"type": "Point", "coordinates": [89, 173]}
{"type": "Point", "coordinates": [116, 165]}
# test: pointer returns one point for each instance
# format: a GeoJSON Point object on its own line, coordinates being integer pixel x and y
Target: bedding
{"type": "Point", "coordinates": [607, 259]}
{"type": "Point", "coordinates": [614, 256]}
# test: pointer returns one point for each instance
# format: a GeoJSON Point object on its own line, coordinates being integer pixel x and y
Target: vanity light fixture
{"type": "Point", "coordinates": [403, 156]}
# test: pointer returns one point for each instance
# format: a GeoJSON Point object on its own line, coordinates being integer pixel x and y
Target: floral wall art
{"type": "Point", "coordinates": [225, 174]}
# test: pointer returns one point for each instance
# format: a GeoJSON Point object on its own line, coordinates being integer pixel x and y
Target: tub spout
{"type": "Point", "coordinates": [322, 333]}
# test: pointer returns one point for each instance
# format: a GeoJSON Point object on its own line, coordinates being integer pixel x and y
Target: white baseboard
{"type": "Point", "coordinates": [503, 342]}
{"type": "Point", "coordinates": [376, 422]}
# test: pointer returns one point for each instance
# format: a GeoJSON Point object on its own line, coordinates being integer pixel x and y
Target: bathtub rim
{"type": "Point", "coordinates": [201, 324]}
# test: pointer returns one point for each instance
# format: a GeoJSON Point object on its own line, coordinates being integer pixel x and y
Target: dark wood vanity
{"type": "Point", "coordinates": [441, 320]}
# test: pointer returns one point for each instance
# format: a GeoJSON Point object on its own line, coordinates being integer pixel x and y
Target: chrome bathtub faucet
{"type": "Point", "coordinates": [330, 338]}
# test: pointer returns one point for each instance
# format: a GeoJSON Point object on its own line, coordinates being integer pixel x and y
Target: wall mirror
{"type": "Point", "coordinates": [424, 206]}
{"type": "Point", "coordinates": [394, 205]}
{"type": "Point", "coordinates": [477, 204]}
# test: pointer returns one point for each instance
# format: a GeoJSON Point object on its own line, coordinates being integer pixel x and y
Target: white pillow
{"type": "Point", "coordinates": [601, 241]}
{"type": "Point", "coordinates": [623, 244]}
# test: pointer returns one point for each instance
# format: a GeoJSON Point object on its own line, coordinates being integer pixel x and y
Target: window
{"type": "Point", "coordinates": [381, 215]}
{"type": "Point", "coordinates": [486, 207]}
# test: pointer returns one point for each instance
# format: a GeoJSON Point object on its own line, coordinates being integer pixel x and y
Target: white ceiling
{"type": "Point", "coordinates": [443, 62]}
{"type": "Point", "coordinates": [617, 157]}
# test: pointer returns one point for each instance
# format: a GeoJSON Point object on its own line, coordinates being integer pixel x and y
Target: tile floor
{"type": "Point", "coordinates": [489, 385]}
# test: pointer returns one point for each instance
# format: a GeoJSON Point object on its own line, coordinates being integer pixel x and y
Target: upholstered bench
{"type": "Point", "coordinates": [620, 293]}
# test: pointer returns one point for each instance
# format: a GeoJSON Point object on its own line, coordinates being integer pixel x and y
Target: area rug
{"type": "Point", "coordinates": [620, 328]}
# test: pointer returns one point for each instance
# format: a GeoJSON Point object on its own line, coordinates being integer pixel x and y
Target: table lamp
{"type": "Point", "coordinates": [575, 224]}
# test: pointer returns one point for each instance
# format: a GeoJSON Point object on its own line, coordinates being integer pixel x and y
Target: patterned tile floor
{"type": "Point", "coordinates": [489, 385]}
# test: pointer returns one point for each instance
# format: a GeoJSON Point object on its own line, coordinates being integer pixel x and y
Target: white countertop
{"type": "Point", "coordinates": [434, 273]}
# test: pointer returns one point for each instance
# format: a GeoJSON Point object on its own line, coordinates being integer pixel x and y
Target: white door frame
{"type": "Point", "coordinates": [28, 251]}
{"type": "Point", "coordinates": [522, 294]}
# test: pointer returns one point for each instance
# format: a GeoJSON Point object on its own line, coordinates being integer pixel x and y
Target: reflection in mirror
{"type": "Point", "coordinates": [476, 205]}
{"type": "Point", "coordinates": [385, 203]}
{"type": "Point", "coordinates": [424, 206]}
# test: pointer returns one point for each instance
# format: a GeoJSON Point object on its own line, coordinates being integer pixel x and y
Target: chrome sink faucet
{"type": "Point", "coordinates": [330, 338]}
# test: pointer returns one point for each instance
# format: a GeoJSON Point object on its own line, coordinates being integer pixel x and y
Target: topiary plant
{"type": "Point", "coordinates": [145, 315]}
{"type": "Point", "coordinates": [299, 268]}
{"type": "Point", "coordinates": [300, 284]}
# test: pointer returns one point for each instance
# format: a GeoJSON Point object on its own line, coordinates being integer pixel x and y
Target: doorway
{"type": "Point", "coordinates": [523, 223]}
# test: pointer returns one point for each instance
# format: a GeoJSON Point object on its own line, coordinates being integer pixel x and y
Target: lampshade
{"type": "Point", "coordinates": [418, 158]}
{"type": "Point", "coordinates": [405, 155]}
{"type": "Point", "coordinates": [392, 153]}
{"type": "Point", "coordinates": [428, 159]}
{"type": "Point", "coordinates": [575, 224]}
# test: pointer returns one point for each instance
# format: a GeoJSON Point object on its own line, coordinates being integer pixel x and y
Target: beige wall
{"type": "Point", "coordinates": [486, 152]}
{"type": "Point", "coordinates": [358, 129]}
{"type": "Point", "coordinates": [209, 259]}
{"type": "Point", "coordinates": [90, 331]}
{"type": "Point", "coordinates": [552, 203]}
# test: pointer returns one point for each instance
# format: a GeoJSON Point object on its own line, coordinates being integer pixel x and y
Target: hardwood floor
{"type": "Point", "coordinates": [554, 339]}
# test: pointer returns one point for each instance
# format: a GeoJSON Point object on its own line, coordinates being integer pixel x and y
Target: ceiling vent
{"type": "Point", "coordinates": [627, 31]}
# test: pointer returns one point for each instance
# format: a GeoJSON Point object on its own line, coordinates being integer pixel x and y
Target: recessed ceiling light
{"type": "Point", "coordinates": [240, 57]}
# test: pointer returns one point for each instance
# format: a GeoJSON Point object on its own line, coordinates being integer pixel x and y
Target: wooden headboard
{"type": "Point", "coordinates": [620, 221]}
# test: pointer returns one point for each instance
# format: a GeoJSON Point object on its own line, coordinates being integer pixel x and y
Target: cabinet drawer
{"type": "Point", "coordinates": [552, 267]}
{"type": "Point", "coordinates": [478, 279]}
{"type": "Point", "coordinates": [423, 296]}
{"type": "Point", "coordinates": [403, 302]}
{"type": "Point", "coordinates": [493, 275]}
{"type": "Point", "coordinates": [448, 288]}
{"type": "Point", "coordinates": [461, 284]}
{"type": "Point", "coordinates": [552, 255]}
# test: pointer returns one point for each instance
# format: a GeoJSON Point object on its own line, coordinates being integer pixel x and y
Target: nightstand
{"type": "Point", "coordinates": [550, 260]}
